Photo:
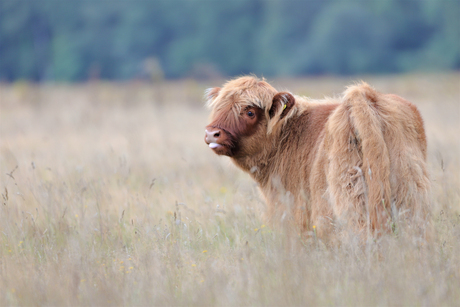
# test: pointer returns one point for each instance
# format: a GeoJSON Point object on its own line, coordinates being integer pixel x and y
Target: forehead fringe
{"type": "Point", "coordinates": [242, 92]}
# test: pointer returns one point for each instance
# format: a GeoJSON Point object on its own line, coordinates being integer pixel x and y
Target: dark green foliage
{"type": "Point", "coordinates": [73, 40]}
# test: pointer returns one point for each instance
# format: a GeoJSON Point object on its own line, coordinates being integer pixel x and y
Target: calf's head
{"type": "Point", "coordinates": [244, 112]}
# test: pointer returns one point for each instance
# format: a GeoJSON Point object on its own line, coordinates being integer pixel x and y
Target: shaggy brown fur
{"type": "Point", "coordinates": [358, 160]}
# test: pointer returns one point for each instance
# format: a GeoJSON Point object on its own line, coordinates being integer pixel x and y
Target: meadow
{"type": "Point", "coordinates": [110, 197]}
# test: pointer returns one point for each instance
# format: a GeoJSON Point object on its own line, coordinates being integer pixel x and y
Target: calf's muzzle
{"type": "Point", "coordinates": [212, 137]}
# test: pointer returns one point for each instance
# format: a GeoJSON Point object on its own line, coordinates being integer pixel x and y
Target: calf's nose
{"type": "Point", "coordinates": [211, 136]}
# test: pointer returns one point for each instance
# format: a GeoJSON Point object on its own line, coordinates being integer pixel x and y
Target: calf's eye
{"type": "Point", "coordinates": [250, 114]}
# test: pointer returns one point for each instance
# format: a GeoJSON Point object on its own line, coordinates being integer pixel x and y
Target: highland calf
{"type": "Point", "coordinates": [358, 160]}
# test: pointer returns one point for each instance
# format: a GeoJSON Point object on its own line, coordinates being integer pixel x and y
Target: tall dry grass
{"type": "Point", "coordinates": [109, 196]}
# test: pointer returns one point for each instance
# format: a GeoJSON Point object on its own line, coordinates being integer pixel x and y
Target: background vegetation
{"type": "Point", "coordinates": [110, 197]}
{"type": "Point", "coordinates": [76, 40]}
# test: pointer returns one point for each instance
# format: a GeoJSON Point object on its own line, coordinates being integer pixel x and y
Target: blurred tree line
{"type": "Point", "coordinates": [74, 40]}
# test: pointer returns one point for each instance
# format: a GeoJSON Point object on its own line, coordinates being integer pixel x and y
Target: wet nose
{"type": "Point", "coordinates": [212, 136]}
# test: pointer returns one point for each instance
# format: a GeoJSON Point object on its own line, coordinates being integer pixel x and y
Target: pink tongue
{"type": "Point", "coordinates": [213, 145]}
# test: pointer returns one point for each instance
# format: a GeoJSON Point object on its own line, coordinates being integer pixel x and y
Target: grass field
{"type": "Point", "coordinates": [109, 196]}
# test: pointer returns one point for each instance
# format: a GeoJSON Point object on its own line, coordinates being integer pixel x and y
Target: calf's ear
{"type": "Point", "coordinates": [282, 103]}
{"type": "Point", "coordinates": [210, 94]}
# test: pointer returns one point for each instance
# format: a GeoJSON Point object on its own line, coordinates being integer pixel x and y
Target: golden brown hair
{"type": "Point", "coordinates": [358, 160]}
